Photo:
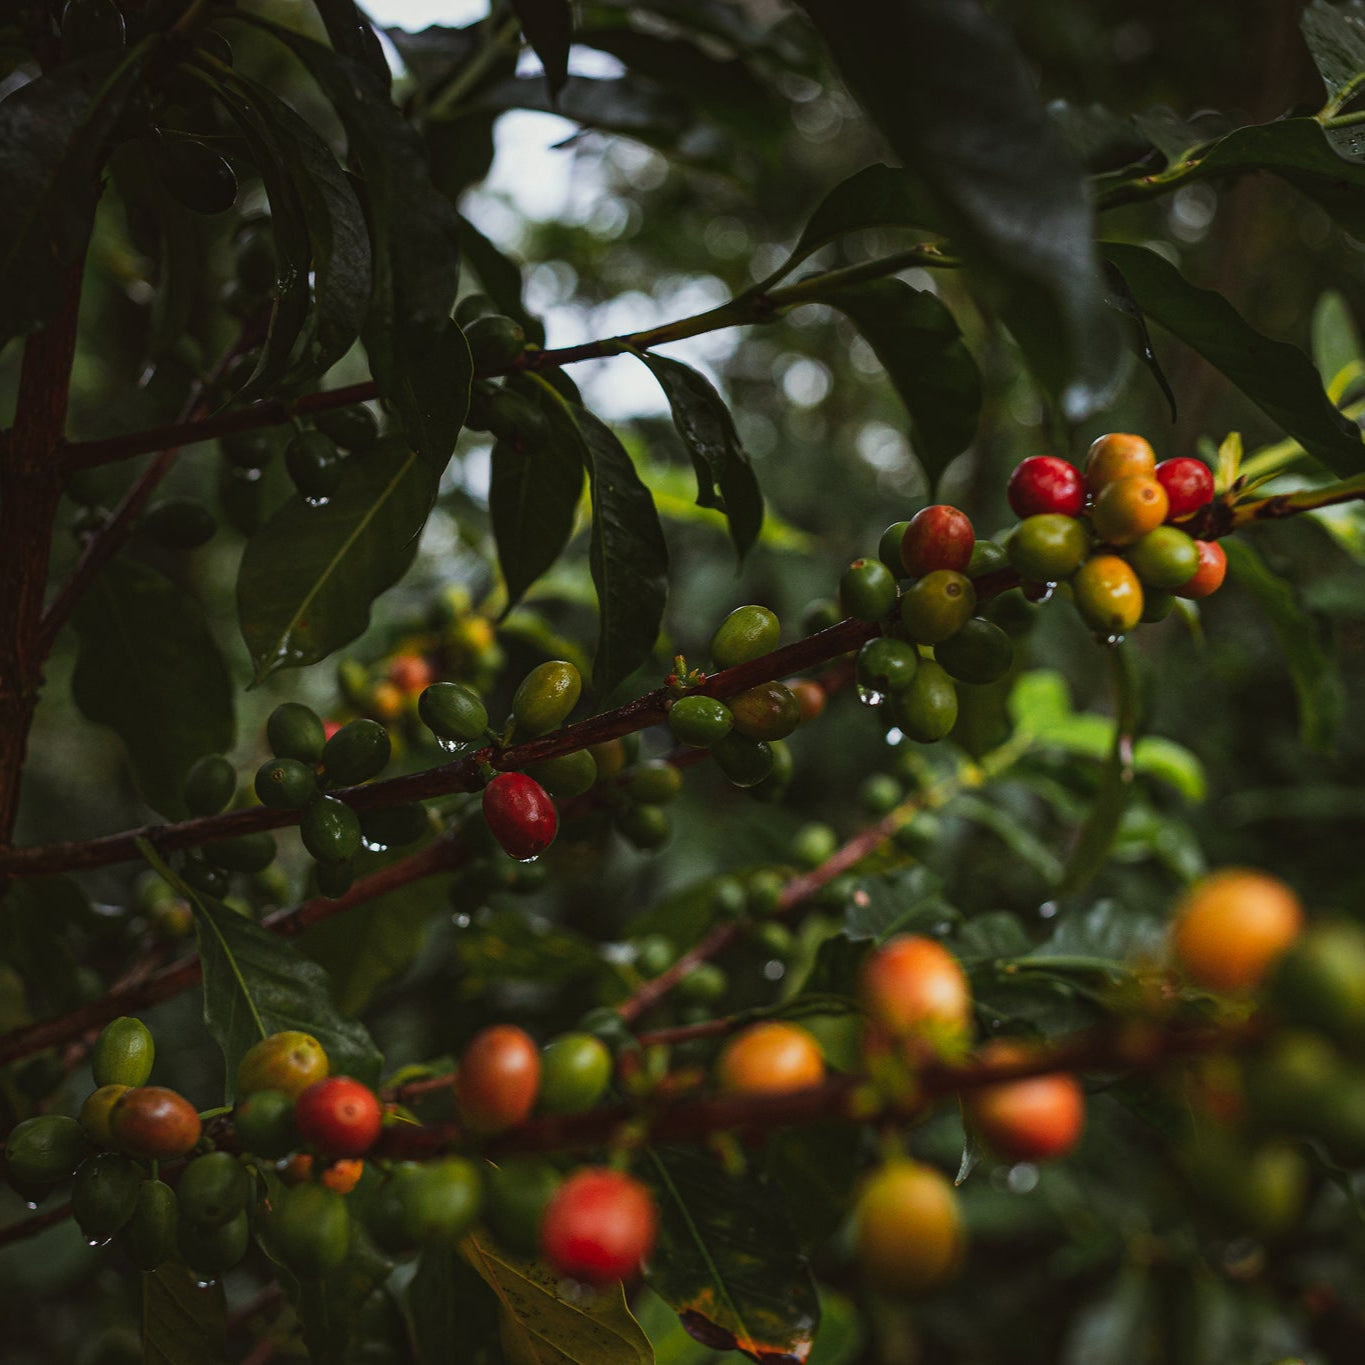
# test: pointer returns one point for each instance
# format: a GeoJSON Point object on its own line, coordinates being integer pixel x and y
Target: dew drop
{"type": "Point", "coordinates": [461, 921]}
{"type": "Point", "coordinates": [453, 746]}
{"type": "Point", "coordinates": [894, 736]}
{"type": "Point", "coordinates": [1048, 909]}
{"type": "Point", "coordinates": [774, 970]}
{"type": "Point", "coordinates": [30, 1204]}
{"type": "Point", "coordinates": [374, 845]}
{"type": "Point", "coordinates": [98, 1242]}
{"type": "Point", "coordinates": [315, 501]}
{"type": "Point", "coordinates": [205, 1284]}
{"type": "Point", "coordinates": [869, 696]}
{"type": "Point", "coordinates": [1113, 640]}
{"type": "Point", "coordinates": [530, 858]}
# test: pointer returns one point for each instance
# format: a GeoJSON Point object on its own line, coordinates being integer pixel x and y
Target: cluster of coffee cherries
{"type": "Point", "coordinates": [289, 1165]}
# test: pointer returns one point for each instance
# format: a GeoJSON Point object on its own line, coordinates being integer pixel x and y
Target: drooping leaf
{"type": "Point", "coordinates": [308, 577]}
{"type": "Point", "coordinates": [1276, 376]}
{"type": "Point", "coordinates": [148, 667]}
{"type": "Point", "coordinates": [1120, 298]}
{"type": "Point", "coordinates": [352, 36]}
{"type": "Point", "coordinates": [417, 355]}
{"type": "Point", "coordinates": [446, 1301]}
{"type": "Point", "coordinates": [539, 1327]}
{"type": "Point", "coordinates": [1314, 671]}
{"type": "Point", "coordinates": [727, 1259]}
{"type": "Point", "coordinates": [183, 1322]}
{"type": "Point", "coordinates": [946, 84]}
{"type": "Point", "coordinates": [256, 984]}
{"type": "Point", "coordinates": [548, 26]}
{"type": "Point", "coordinates": [501, 279]}
{"type": "Point", "coordinates": [725, 478]}
{"type": "Point", "coordinates": [918, 343]}
{"type": "Point", "coordinates": [1336, 40]}
{"type": "Point", "coordinates": [53, 131]}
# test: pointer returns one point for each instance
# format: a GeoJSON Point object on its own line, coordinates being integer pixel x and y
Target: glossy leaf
{"type": "Point", "coordinates": [447, 1300]}
{"type": "Point", "coordinates": [727, 1259]}
{"type": "Point", "coordinates": [148, 667]}
{"type": "Point", "coordinates": [183, 1322]}
{"type": "Point", "coordinates": [256, 983]}
{"type": "Point", "coordinates": [1314, 671]}
{"type": "Point", "coordinates": [725, 478]}
{"type": "Point", "coordinates": [902, 900]}
{"type": "Point", "coordinates": [548, 26]}
{"type": "Point", "coordinates": [52, 135]}
{"type": "Point", "coordinates": [1336, 40]}
{"type": "Point", "coordinates": [539, 1327]}
{"type": "Point", "coordinates": [1276, 376]}
{"type": "Point", "coordinates": [330, 1306]}
{"type": "Point", "coordinates": [918, 343]}
{"type": "Point", "coordinates": [955, 99]}
{"type": "Point", "coordinates": [352, 36]}
{"type": "Point", "coordinates": [308, 577]}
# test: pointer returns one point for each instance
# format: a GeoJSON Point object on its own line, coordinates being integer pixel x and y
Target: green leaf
{"type": "Point", "coordinates": [918, 343]}
{"type": "Point", "coordinates": [446, 1302]}
{"type": "Point", "coordinates": [417, 355]}
{"type": "Point", "coordinates": [256, 984]}
{"type": "Point", "coordinates": [1022, 842]}
{"type": "Point", "coordinates": [548, 26]}
{"type": "Point", "coordinates": [889, 904]}
{"type": "Point", "coordinates": [501, 279]}
{"type": "Point", "coordinates": [352, 36]}
{"type": "Point", "coordinates": [308, 577]}
{"type": "Point", "coordinates": [183, 1323]}
{"type": "Point", "coordinates": [1276, 376]}
{"type": "Point", "coordinates": [53, 132]}
{"type": "Point", "coordinates": [947, 86]}
{"type": "Point", "coordinates": [1337, 351]}
{"type": "Point", "coordinates": [725, 478]}
{"type": "Point", "coordinates": [41, 918]}
{"type": "Point", "coordinates": [1336, 40]}
{"type": "Point", "coordinates": [1105, 929]}
{"type": "Point", "coordinates": [330, 1306]}
{"type": "Point", "coordinates": [1314, 671]}
{"type": "Point", "coordinates": [147, 666]}
{"type": "Point", "coordinates": [541, 1328]}
{"type": "Point", "coordinates": [727, 1258]}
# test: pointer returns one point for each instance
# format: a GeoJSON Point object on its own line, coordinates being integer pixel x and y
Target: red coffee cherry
{"type": "Point", "coordinates": [938, 537]}
{"type": "Point", "coordinates": [498, 1079]}
{"type": "Point", "coordinates": [154, 1123]}
{"type": "Point", "coordinates": [599, 1226]}
{"type": "Point", "coordinates": [1034, 1119]}
{"type": "Point", "coordinates": [1188, 484]}
{"type": "Point", "coordinates": [520, 814]}
{"type": "Point", "coordinates": [410, 673]}
{"type": "Point", "coordinates": [1208, 577]}
{"type": "Point", "coordinates": [1044, 483]}
{"type": "Point", "coordinates": [339, 1116]}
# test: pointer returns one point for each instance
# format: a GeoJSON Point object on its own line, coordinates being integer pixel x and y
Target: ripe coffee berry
{"type": "Point", "coordinates": [339, 1116]}
{"type": "Point", "coordinates": [1127, 509]}
{"type": "Point", "coordinates": [1231, 926]}
{"type": "Point", "coordinates": [770, 1058]}
{"type": "Point", "coordinates": [914, 985]}
{"type": "Point", "coordinates": [520, 814]}
{"type": "Point", "coordinates": [1188, 484]}
{"type": "Point", "coordinates": [1107, 594]}
{"type": "Point", "coordinates": [498, 1079]}
{"type": "Point", "coordinates": [1044, 483]}
{"type": "Point", "coordinates": [910, 1236]}
{"type": "Point", "coordinates": [1117, 456]}
{"type": "Point", "coordinates": [599, 1226]}
{"type": "Point", "coordinates": [152, 1122]}
{"type": "Point", "coordinates": [1208, 577]}
{"type": "Point", "coordinates": [1033, 1119]}
{"type": "Point", "coordinates": [938, 537]}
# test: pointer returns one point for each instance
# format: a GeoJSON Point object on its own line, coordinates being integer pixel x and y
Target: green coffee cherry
{"type": "Point", "coordinates": [820, 615]}
{"type": "Point", "coordinates": [937, 606]}
{"type": "Point", "coordinates": [44, 1150]}
{"type": "Point", "coordinates": [575, 1070]}
{"type": "Point", "coordinates": [1319, 982]}
{"type": "Point", "coordinates": [453, 712]}
{"type": "Point", "coordinates": [704, 984]}
{"type": "Point", "coordinates": [566, 775]}
{"type": "Point", "coordinates": [356, 753]}
{"type": "Point", "coordinates": [330, 830]}
{"type": "Point", "coordinates": [986, 558]}
{"type": "Point", "coordinates": [645, 826]}
{"type": "Point", "coordinates": [727, 897]}
{"type": "Point", "coordinates": [242, 852]}
{"type": "Point", "coordinates": [768, 711]}
{"type": "Point", "coordinates": [1165, 558]}
{"type": "Point", "coordinates": [104, 1194]}
{"type": "Point", "coordinates": [334, 879]}
{"type": "Point", "coordinates": [310, 1227]}
{"type": "Point", "coordinates": [927, 709]}
{"type": "Point", "coordinates": [867, 590]}
{"type": "Point", "coordinates": [886, 665]}
{"type": "Point", "coordinates": [1048, 547]}
{"type": "Point", "coordinates": [813, 844]}
{"type": "Point", "coordinates": [285, 783]}
{"type": "Point", "coordinates": [763, 895]}
{"type": "Point", "coordinates": [979, 653]}
{"type": "Point", "coordinates": [353, 428]}
{"type": "Point", "coordinates": [179, 524]}
{"type": "Point", "coordinates": [150, 1233]}
{"type": "Point", "coordinates": [314, 464]}
{"type": "Point", "coordinates": [394, 826]}
{"type": "Point", "coordinates": [745, 762]}
{"type": "Point", "coordinates": [654, 953]}
{"type": "Point", "coordinates": [264, 1122]}
{"type": "Point", "coordinates": [889, 548]}
{"type": "Point", "coordinates": [699, 721]}
{"type": "Point", "coordinates": [211, 1251]}
{"type": "Point", "coordinates": [654, 783]}
{"type": "Point", "coordinates": [213, 1190]}
{"type": "Point", "coordinates": [518, 1191]}
{"type": "Point", "coordinates": [775, 938]}
{"type": "Point", "coordinates": [495, 341]}
{"type": "Point", "coordinates": [747, 633]}
{"type": "Point", "coordinates": [247, 449]}
{"type": "Point", "coordinates": [295, 731]}
{"type": "Point", "coordinates": [546, 696]}
{"type": "Point", "coordinates": [880, 793]}
{"type": "Point", "coordinates": [1156, 605]}
{"type": "Point", "coordinates": [1292, 1086]}
{"type": "Point", "coordinates": [440, 1200]}
{"type": "Point", "coordinates": [123, 1053]}
{"type": "Point", "coordinates": [196, 176]}
{"type": "Point", "coordinates": [209, 785]}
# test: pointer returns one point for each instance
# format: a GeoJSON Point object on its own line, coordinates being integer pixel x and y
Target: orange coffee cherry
{"type": "Point", "coordinates": [1117, 456]}
{"type": "Point", "coordinates": [1108, 594]}
{"type": "Point", "coordinates": [1231, 926]}
{"type": "Point", "coordinates": [910, 1236]}
{"type": "Point", "coordinates": [1033, 1119]}
{"type": "Point", "coordinates": [1127, 508]}
{"type": "Point", "coordinates": [1208, 577]}
{"type": "Point", "coordinates": [913, 985]}
{"type": "Point", "coordinates": [770, 1058]}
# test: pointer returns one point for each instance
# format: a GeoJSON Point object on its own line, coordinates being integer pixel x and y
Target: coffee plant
{"type": "Point", "coordinates": [763, 763]}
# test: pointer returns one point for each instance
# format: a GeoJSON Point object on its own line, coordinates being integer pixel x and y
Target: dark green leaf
{"type": "Point", "coordinates": [991, 937]}
{"type": "Point", "coordinates": [353, 37]}
{"type": "Point", "coordinates": [1104, 929]}
{"type": "Point", "coordinates": [52, 142]}
{"type": "Point", "coordinates": [1336, 38]}
{"type": "Point", "coordinates": [329, 1306]}
{"type": "Point", "coordinates": [918, 343]}
{"type": "Point", "coordinates": [548, 26]}
{"type": "Point", "coordinates": [946, 84]}
{"type": "Point", "coordinates": [1316, 676]}
{"type": "Point", "coordinates": [308, 577]}
{"type": "Point", "coordinates": [447, 1301]}
{"type": "Point", "coordinates": [886, 905]}
{"type": "Point", "coordinates": [1120, 298]}
{"type": "Point", "coordinates": [256, 984]}
{"type": "Point", "coordinates": [183, 1323]}
{"type": "Point", "coordinates": [813, 1167]}
{"type": "Point", "coordinates": [500, 278]}
{"type": "Point", "coordinates": [539, 1327]}
{"type": "Point", "coordinates": [40, 919]}
{"type": "Point", "coordinates": [533, 495]}
{"type": "Point", "coordinates": [1276, 376]}
{"type": "Point", "coordinates": [148, 667]}
{"type": "Point", "coordinates": [435, 53]}
{"type": "Point", "coordinates": [725, 478]}
{"type": "Point", "coordinates": [727, 1259]}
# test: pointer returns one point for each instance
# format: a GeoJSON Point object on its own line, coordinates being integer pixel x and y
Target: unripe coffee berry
{"type": "Point", "coordinates": [979, 653]}
{"type": "Point", "coordinates": [310, 1227]}
{"type": "Point", "coordinates": [745, 762]}
{"type": "Point", "coordinates": [886, 665]}
{"type": "Point", "coordinates": [357, 752]}
{"type": "Point", "coordinates": [926, 710]}
{"type": "Point", "coordinates": [1048, 548]}
{"type": "Point", "coordinates": [264, 1121]}
{"type": "Point", "coordinates": [1044, 483]}
{"type": "Point", "coordinates": [938, 537]}
{"type": "Point", "coordinates": [1188, 484]}
{"type": "Point", "coordinates": [95, 1114]}
{"type": "Point", "coordinates": [937, 605]}
{"type": "Point", "coordinates": [123, 1053]}
{"type": "Point", "coordinates": [1128, 508]}
{"type": "Point", "coordinates": [41, 1151]}
{"type": "Point", "coordinates": [909, 1232]}
{"type": "Point", "coordinates": [289, 1062]}
{"type": "Point", "coordinates": [339, 1117]}
{"type": "Point", "coordinates": [520, 815]}
{"type": "Point", "coordinates": [213, 1189]}
{"type": "Point", "coordinates": [889, 548]}
{"type": "Point", "coordinates": [104, 1194]}
{"type": "Point", "coordinates": [330, 830]}
{"type": "Point", "coordinates": [566, 775]}
{"type": "Point", "coordinates": [453, 712]}
{"type": "Point", "coordinates": [545, 696]}
{"type": "Point", "coordinates": [867, 590]}
{"type": "Point", "coordinates": [295, 731]}
{"type": "Point", "coordinates": [767, 711]}
{"type": "Point", "coordinates": [747, 633]}
{"type": "Point", "coordinates": [699, 721]}
{"type": "Point", "coordinates": [1117, 456]}
{"type": "Point", "coordinates": [1107, 595]}
{"type": "Point", "coordinates": [599, 1226]}
{"type": "Point", "coordinates": [574, 1071]}
{"type": "Point", "coordinates": [209, 785]}
{"type": "Point", "coordinates": [1165, 558]}
{"type": "Point", "coordinates": [285, 783]}
{"type": "Point", "coordinates": [1208, 577]}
